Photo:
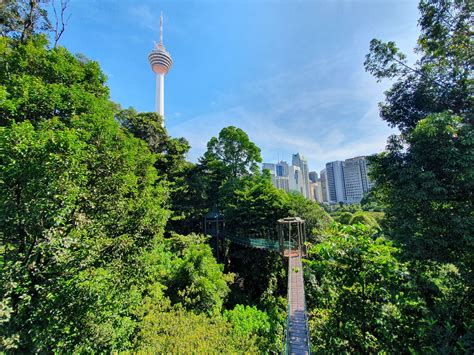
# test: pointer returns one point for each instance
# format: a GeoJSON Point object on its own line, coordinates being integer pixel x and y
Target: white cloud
{"type": "Point", "coordinates": [300, 122]}
{"type": "Point", "coordinates": [303, 110]}
{"type": "Point", "coordinates": [146, 17]}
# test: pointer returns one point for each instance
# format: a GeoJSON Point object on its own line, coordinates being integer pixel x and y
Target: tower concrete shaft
{"type": "Point", "coordinates": [160, 96]}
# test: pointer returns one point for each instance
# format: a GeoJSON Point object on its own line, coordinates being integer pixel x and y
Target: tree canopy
{"type": "Point", "coordinates": [424, 179]}
{"type": "Point", "coordinates": [232, 153]}
{"type": "Point", "coordinates": [441, 80]}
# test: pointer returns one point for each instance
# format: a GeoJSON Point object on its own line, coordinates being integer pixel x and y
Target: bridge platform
{"type": "Point", "coordinates": [298, 332]}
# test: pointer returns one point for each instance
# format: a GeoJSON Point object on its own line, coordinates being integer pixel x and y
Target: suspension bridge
{"type": "Point", "coordinates": [290, 242]}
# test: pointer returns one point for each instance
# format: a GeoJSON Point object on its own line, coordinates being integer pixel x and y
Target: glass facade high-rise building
{"type": "Point", "coordinates": [335, 181]}
{"type": "Point", "coordinates": [282, 168]}
{"type": "Point", "coordinates": [356, 180]}
{"type": "Point", "coordinates": [302, 163]}
{"type": "Point", "coordinates": [324, 186]}
{"type": "Point", "coordinates": [313, 176]}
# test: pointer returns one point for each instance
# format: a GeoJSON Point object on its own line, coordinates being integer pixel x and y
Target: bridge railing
{"type": "Point", "coordinates": [286, 347]}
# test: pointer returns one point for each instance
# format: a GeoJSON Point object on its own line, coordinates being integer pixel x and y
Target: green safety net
{"type": "Point", "coordinates": [258, 243]}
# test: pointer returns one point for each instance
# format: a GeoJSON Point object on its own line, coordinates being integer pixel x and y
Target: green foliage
{"type": "Point", "coordinates": [447, 327]}
{"type": "Point", "coordinates": [87, 190]}
{"type": "Point", "coordinates": [82, 215]}
{"type": "Point", "coordinates": [197, 281]}
{"type": "Point", "coordinates": [378, 216]}
{"type": "Point", "coordinates": [372, 201]}
{"type": "Point", "coordinates": [364, 218]}
{"type": "Point", "coordinates": [344, 217]}
{"type": "Point", "coordinates": [40, 83]}
{"type": "Point", "coordinates": [252, 205]}
{"type": "Point", "coordinates": [359, 295]}
{"type": "Point", "coordinates": [440, 80]}
{"type": "Point", "coordinates": [81, 204]}
{"type": "Point", "coordinates": [314, 215]}
{"type": "Point", "coordinates": [232, 153]}
{"type": "Point", "coordinates": [186, 184]}
{"type": "Point", "coordinates": [148, 126]}
{"type": "Point", "coordinates": [425, 178]}
{"type": "Point", "coordinates": [372, 219]}
{"type": "Point", "coordinates": [249, 322]}
{"type": "Point", "coordinates": [429, 195]}
{"type": "Point", "coordinates": [229, 158]}
{"type": "Point", "coordinates": [190, 200]}
{"type": "Point", "coordinates": [21, 19]}
{"type": "Point", "coordinates": [181, 332]}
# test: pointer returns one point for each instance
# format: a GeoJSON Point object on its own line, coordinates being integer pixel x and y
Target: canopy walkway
{"type": "Point", "coordinates": [297, 332]}
{"type": "Point", "coordinates": [289, 241]}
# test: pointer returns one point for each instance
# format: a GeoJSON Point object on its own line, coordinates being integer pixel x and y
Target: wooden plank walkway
{"type": "Point", "coordinates": [298, 323]}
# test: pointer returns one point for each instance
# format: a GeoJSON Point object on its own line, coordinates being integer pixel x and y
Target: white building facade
{"type": "Point", "coordinates": [299, 161]}
{"type": "Point", "coordinates": [293, 177]}
{"type": "Point", "coordinates": [347, 181]}
{"type": "Point", "coordinates": [324, 186]}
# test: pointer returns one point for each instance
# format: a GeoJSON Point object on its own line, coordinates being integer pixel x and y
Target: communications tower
{"type": "Point", "coordinates": [161, 62]}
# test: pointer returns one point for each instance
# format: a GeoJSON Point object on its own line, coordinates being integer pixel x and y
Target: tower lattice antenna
{"type": "Point", "coordinates": [161, 28]}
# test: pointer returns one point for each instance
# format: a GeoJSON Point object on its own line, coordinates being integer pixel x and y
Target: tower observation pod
{"type": "Point", "coordinates": [161, 62]}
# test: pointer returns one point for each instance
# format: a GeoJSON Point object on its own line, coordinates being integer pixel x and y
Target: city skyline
{"type": "Point", "coordinates": [344, 181]}
{"type": "Point", "coordinates": [225, 71]}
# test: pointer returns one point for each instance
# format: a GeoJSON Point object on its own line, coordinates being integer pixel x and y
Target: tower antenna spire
{"type": "Point", "coordinates": [161, 28]}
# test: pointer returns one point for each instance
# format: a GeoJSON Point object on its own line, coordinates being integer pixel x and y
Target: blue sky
{"type": "Point", "coordinates": [290, 73]}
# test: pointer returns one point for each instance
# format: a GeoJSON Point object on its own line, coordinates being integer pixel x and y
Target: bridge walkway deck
{"type": "Point", "coordinates": [298, 332]}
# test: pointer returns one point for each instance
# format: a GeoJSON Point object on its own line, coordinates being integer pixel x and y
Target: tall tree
{"type": "Point", "coordinates": [80, 206]}
{"type": "Point", "coordinates": [441, 79]}
{"type": "Point", "coordinates": [228, 158]}
{"type": "Point", "coordinates": [22, 19]}
{"type": "Point", "coordinates": [171, 152]}
{"type": "Point", "coordinates": [425, 178]}
{"type": "Point", "coordinates": [184, 179]}
{"type": "Point", "coordinates": [232, 153]}
{"type": "Point", "coordinates": [432, 177]}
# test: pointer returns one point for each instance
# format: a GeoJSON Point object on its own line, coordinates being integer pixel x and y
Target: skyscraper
{"type": "Point", "coordinates": [293, 177]}
{"type": "Point", "coordinates": [318, 192]}
{"type": "Point", "coordinates": [335, 181]}
{"type": "Point", "coordinates": [270, 167]}
{"type": "Point", "coordinates": [313, 176]}
{"type": "Point", "coordinates": [282, 168]}
{"type": "Point", "coordinates": [280, 174]}
{"type": "Point", "coordinates": [302, 163]}
{"type": "Point", "coordinates": [296, 181]}
{"type": "Point", "coordinates": [347, 181]}
{"type": "Point", "coordinates": [356, 180]}
{"type": "Point", "coordinates": [161, 62]}
{"type": "Point", "coordinates": [324, 186]}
